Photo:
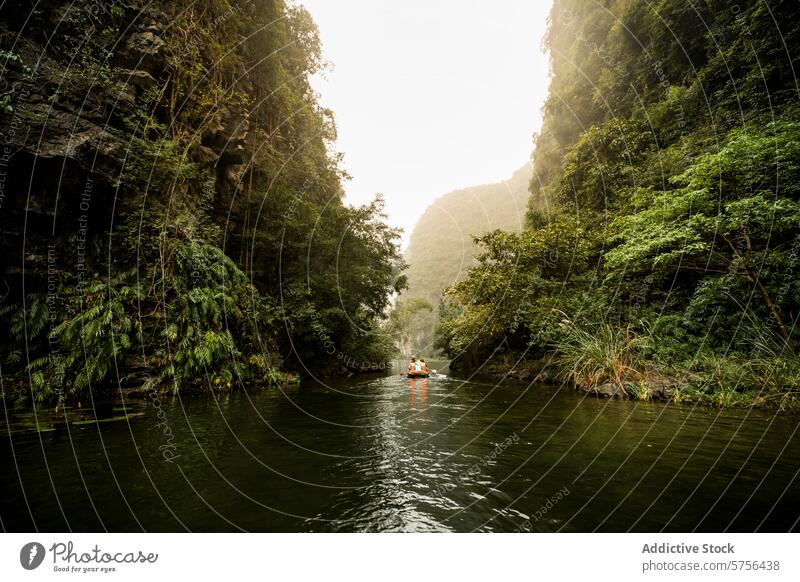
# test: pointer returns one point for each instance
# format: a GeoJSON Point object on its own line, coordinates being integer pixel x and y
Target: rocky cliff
{"type": "Point", "coordinates": [170, 201]}
{"type": "Point", "coordinates": [85, 84]}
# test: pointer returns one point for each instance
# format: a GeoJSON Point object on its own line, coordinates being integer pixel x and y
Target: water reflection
{"type": "Point", "coordinates": [399, 454]}
{"type": "Point", "coordinates": [421, 385]}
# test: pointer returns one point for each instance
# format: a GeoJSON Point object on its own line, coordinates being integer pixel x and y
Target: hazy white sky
{"type": "Point", "coordinates": [431, 95]}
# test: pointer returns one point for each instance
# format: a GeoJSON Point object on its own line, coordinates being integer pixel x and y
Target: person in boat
{"type": "Point", "coordinates": [417, 368]}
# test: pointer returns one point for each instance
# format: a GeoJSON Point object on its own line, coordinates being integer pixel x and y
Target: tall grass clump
{"type": "Point", "coordinates": [763, 369]}
{"type": "Point", "coordinates": [590, 357]}
{"type": "Point", "coordinates": [640, 390]}
{"type": "Point", "coordinates": [772, 366]}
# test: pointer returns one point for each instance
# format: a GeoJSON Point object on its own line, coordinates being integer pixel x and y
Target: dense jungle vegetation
{"type": "Point", "coordinates": [663, 234]}
{"type": "Point", "coordinates": [172, 207]}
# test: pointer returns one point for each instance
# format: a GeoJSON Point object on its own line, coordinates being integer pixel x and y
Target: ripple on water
{"type": "Point", "coordinates": [386, 454]}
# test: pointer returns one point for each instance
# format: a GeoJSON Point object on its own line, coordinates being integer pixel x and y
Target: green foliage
{"type": "Point", "coordinates": [640, 391]}
{"type": "Point", "coordinates": [665, 204]}
{"type": "Point", "coordinates": [600, 169]}
{"type": "Point", "coordinates": [730, 218]}
{"type": "Point", "coordinates": [20, 326]}
{"type": "Point", "coordinates": [216, 207]}
{"type": "Point", "coordinates": [441, 247]}
{"type": "Point", "coordinates": [9, 60]}
{"type": "Point", "coordinates": [515, 292]}
{"type": "Point", "coordinates": [409, 324]}
{"type": "Point", "coordinates": [205, 280]}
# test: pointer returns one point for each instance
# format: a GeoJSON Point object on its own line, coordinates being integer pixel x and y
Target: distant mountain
{"type": "Point", "coordinates": [441, 249]}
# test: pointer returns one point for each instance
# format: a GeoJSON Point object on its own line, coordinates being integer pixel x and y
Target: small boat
{"type": "Point", "coordinates": [418, 374]}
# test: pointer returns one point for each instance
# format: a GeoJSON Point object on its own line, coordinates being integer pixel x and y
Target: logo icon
{"type": "Point", "coordinates": [31, 555]}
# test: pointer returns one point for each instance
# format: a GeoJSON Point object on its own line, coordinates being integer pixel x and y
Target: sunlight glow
{"type": "Point", "coordinates": [431, 96]}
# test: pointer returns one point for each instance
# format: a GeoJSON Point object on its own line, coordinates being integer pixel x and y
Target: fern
{"type": "Point", "coordinates": [205, 315]}
{"type": "Point", "coordinates": [91, 342]}
{"type": "Point", "coordinates": [23, 325]}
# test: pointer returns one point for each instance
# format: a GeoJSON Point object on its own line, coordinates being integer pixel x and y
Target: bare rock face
{"type": "Point", "coordinates": [658, 389]}
{"type": "Point", "coordinates": [610, 390]}
{"type": "Point", "coordinates": [138, 78]}
{"type": "Point", "coordinates": [145, 51]}
{"type": "Point", "coordinates": [227, 136]}
{"type": "Point", "coordinates": [605, 390]}
{"type": "Point", "coordinates": [62, 107]}
{"type": "Point", "coordinates": [663, 388]}
{"type": "Point", "coordinates": [227, 139]}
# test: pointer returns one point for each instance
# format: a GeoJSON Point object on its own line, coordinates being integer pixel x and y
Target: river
{"type": "Point", "coordinates": [391, 454]}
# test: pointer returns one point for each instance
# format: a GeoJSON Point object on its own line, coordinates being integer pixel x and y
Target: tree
{"type": "Point", "coordinates": [734, 214]}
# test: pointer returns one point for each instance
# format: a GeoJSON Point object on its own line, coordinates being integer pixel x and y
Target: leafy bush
{"type": "Point", "coordinates": [207, 328]}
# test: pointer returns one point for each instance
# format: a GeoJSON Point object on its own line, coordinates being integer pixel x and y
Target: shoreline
{"type": "Point", "coordinates": [17, 392]}
{"type": "Point", "coordinates": [678, 387]}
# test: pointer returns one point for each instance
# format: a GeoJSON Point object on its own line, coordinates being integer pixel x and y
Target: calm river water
{"type": "Point", "coordinates": [392, 454]}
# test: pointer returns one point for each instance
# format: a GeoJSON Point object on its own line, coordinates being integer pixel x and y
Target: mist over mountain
{"type": "Point", "coordinates": [441, 249]}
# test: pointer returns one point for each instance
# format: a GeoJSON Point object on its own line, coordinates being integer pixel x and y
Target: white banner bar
{"type": "Point", "coordinates": [379, 557]}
